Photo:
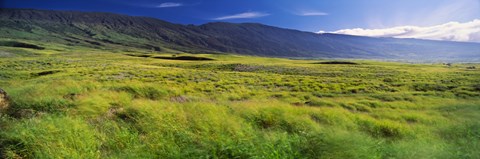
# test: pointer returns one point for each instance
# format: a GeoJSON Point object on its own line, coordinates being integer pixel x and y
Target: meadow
{"type": "Point", "coordinates": [93, 103]}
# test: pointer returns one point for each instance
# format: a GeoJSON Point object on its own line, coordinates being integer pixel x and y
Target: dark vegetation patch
{"type": "Point", "coordinates": [153, 48]}
{"type": "Point", "coordinates": [109, 41]}
{"type": "Point", "coordinates": [237, 67]}
{"type": "Point", "coordinates": [21, 108]}
{"type": "Point", "coordinates": [20, 44]}
{"type": "Point", "coordinates": [476, 87]}
{"type": "Point", "coordinates": [93, 42]}
{"type": "Point", "coordinates": [424, 87]}
{"type": "Point", "coordinates": [320, 103]}
{"type": "Point", "coordinates": [337, 63]}
{"type": "Point", "coordinates": [143, 92]}
{"type": "Point", "coordinates": [44, 73]}
{"type": "Point", "coordinates": [186, 58]}
{"type": "Point", "coordinates": [71, 41]}
{"type": "Point", "coordinates": [323, 95]}
{"type": "Point", "coordinates": [275, 120]}
{"type": "Point", "coordinates": [462, 93]}
{"type": "Point", "coordinates": [385, 129]}
{"type": "Point", "coordinates": [12, 144]}
{"type": "Point", "coordinates": [139, 55]}
{"type": "Point", "coordinates": [360, 107]}
{"type": "Point", "coordinates": [127, 115]}
{"type": "Point", "coordinates": [392, 98]}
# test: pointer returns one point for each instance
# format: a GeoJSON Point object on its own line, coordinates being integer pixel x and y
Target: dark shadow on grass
{"type": "Point", "coordinates": [139, 55]}
{"type": "Point", "coordinates": [20, 44]}
{"type": "Point", "coordinates": [44, 73]}
{"type": "Point", "coordinates": [337, 63]}
{"type": "Point", "coordinates": [185, 58]}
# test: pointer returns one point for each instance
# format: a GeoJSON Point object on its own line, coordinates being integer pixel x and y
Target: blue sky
{"type": "Point", "coordinates": [306, 15]}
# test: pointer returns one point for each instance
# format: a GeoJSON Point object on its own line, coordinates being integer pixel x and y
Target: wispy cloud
{"type": "Point", "coordinates": [243, 16]}
{"type": "Point", "coordinates": [452, 31]}
{"type": "Point", "coordinates": [169, 5]}
{"type": "Point", "coordinates": [311, 13]}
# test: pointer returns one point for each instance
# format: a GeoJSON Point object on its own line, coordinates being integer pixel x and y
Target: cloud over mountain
{"type": "Point", "coordinates": [452, 31]}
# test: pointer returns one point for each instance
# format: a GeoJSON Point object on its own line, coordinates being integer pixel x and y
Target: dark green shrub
{"type": "Point", "coordinates": [386, 129]}
{"type": "Point", "coordinates": [356, 107]}
{"type": "Point", "coordinates": [371, 104]}
{"type": "Point", "coordinates": [144, 92]}
{"type": "Point", "coordinates": [424, 87]}
{"type": "Point", "coordinates": [319, 103]}
{"type": "Point", "coordinates": [323, 95]}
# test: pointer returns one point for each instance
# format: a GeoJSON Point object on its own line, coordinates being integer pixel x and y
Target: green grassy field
{"type": "Point", "coordinates": [87, 103]}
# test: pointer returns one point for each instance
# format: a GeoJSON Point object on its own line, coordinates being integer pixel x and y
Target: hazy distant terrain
{"type": "Point", "coordinates": [106, 30]}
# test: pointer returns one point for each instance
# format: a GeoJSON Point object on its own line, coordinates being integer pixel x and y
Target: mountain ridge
{"type": "Point", "coordinates": [101, 29]}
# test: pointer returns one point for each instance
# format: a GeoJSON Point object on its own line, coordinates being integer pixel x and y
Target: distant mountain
{"type": "Point", "coordinates": [107, 30]}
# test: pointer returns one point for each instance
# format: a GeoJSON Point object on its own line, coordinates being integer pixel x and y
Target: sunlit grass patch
{"type": "Point", "coordinates": [50, 136]}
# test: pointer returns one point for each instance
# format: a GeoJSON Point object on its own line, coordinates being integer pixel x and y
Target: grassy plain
{"type": "Point", "coordinates": [86, 103]}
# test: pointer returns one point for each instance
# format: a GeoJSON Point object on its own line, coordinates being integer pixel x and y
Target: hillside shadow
{"type": "Point", "coordinates": [337, 63]}
{"type": "Point", "coordinates": [20, 44]}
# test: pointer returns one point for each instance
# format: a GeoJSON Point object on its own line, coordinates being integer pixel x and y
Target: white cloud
{"type": "Point", "coordinates": [169, 5]}
{"type": "Point", "coordinates": [452, 31]}
{"type": "Point", "coordinates": [242, 16]}
{"type": "Point", "coordinates": [311, 13]}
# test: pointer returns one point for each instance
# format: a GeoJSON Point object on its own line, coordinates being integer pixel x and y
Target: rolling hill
{"type": "Point", "coordinates": [112, 31]}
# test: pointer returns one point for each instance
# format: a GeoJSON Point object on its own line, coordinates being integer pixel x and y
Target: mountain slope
{"type": "Point", "coordinates": [107, 30]}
